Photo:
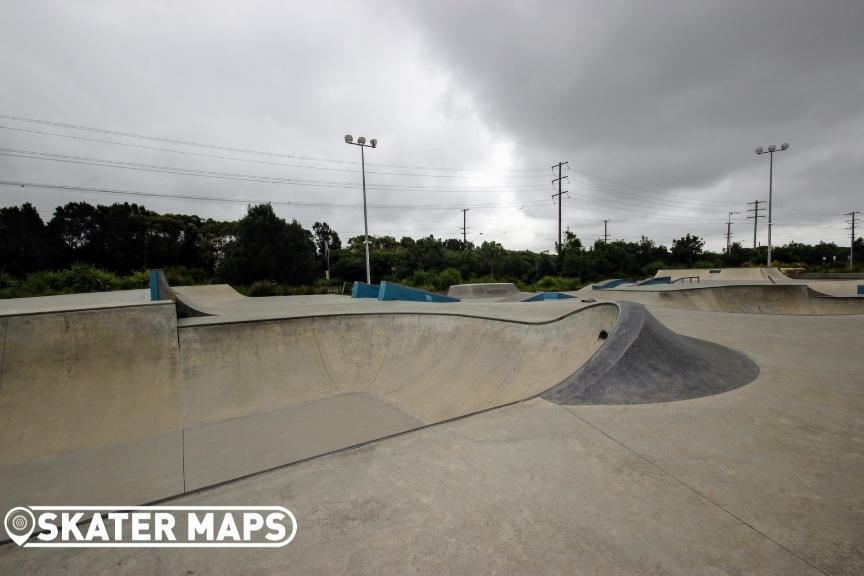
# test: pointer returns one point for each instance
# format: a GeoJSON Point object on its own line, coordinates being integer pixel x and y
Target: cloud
{"type": "Point", "coordinates": [656, 106]}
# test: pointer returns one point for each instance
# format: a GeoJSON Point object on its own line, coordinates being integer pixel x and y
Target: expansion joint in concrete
{"type": "Point", "coordinates": [694, 490]}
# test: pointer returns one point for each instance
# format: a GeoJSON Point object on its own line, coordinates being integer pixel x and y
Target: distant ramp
{"type": "Point", "coordinates": [792, 299]}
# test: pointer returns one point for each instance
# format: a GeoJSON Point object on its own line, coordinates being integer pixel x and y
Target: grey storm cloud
{"type": "Point", "coordinates": [657, 107]}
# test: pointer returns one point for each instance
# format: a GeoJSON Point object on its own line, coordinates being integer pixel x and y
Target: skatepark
{"type": "Point", "coordinates": [708, 422]}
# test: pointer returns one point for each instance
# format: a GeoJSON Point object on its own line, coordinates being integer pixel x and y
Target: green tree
{"type": "Point", "coordinates": [269, 248]}
{"type": "Point", "coordinates": [687, 249]}
{"type": "Point", "coordinates": [25, 245]}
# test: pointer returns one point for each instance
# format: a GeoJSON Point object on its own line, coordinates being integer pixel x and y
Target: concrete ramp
{"type": "Point", "coordinates": [762, 274]}
{"type": "Point", "coordinates": [126, 406]}
{"type": "Point", "coordinates": [795, 299]}
{"type": "Point", "coordinates": [645, 362]}
{"type": "Point", "coordinates": [488, 290]}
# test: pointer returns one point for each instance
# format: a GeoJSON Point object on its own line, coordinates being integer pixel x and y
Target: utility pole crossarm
{"type": "Point", "coordinates": [755, 217]}
{"type": "Point", "coordinates": [851, 229]}
{"type": "Point", "coordinates": [465, 226]}
{"type": "Point", "coordinates": [559, 179]}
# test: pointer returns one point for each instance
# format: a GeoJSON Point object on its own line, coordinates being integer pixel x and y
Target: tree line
{"type": "Point", "coordinates": [264, 251]}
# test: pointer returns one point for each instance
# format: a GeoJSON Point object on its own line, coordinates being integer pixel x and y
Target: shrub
{"type": "Point", "coordinates": [447, 278]}
{"type": "Point", "coordinates": [263, 288]}
{"type": "Point", "coordinates": [87, 278]}
{"type": "Point", "coordinates": [555, 284]}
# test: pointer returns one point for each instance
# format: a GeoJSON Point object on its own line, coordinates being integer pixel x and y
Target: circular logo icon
{"type": "Point", "coordinates": [19, 523]}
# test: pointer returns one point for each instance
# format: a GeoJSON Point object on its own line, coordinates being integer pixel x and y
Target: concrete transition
{"type": "Point", "coordinates": [644, 362]}
{"type": "Point", "coordinates": [491, 290]}
{"type": "Point", "coordinates": [765, 274]}
{"type": "Point", "coordinates": [186, 307]}
{"type": "Point", "coordinates": [797, 299]}
{"type": "Point", "coordinates": [130, 404]}
{"type": "Point", "coordinates": [610, 284]}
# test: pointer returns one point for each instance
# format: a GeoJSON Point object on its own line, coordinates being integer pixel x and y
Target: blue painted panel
{"type": "Point", "coordinates": [391, 291]}
{"type": "Point", "coordinates": [610, 284]}
{"type": "Point", "coordinates": [548, 296]}
{"type": "Point", "coordinates": [364, 290]}
{"type": "Point", "coordinates": [154, 285]}
{"type": "Point", "coordinates": [656, 280]}
{"type": "Point", "coordinates": [860, 288]}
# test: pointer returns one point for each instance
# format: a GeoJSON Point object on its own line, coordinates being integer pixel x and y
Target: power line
{"type": "Point", "coordinates": [250, 160]}
{"type": "Point", "coordinates": [105, 163]}
{"type": "Point", "coordinates": [113, 191]}
{"type": "Point", "coordinates": [240, 150]}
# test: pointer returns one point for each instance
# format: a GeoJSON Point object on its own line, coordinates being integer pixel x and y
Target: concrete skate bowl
{"type": "Point", "coordinates": [123, 406]}
{"type": "Point", "coordinates": [791, 299]}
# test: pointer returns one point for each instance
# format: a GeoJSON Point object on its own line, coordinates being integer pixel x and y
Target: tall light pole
{"type": "Point", "coordinates": [373, 143]}
{"type": "Point", "coordinates": [771, 149]}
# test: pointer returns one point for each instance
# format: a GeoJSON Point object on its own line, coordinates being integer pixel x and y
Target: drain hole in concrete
{"type": "Point", "coordinates": [603, 335]}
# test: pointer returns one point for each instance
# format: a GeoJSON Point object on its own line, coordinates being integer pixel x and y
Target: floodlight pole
{"type": "Point", "coordinates": [361, 142]}
{"type": "Point", "coordinates": [771, 149]}
{"type": "Point", "coordinates": [366, 217]}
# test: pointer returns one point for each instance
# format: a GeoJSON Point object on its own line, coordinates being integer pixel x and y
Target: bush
{"type": "Point", "coordinates": [447, 278]}
{"type": "Point", "coordinates": [555, 284]}
{"type": "Point", "coordinates": [651, 269]}
{"type": "Point", "coordinates": [422, 279]}
{"type": "Point", "coordinates": [140, 279]}
{"type": "Point", "coordinates": [87, 278]}
{"type": "Point", "coordinates": [263, 288]}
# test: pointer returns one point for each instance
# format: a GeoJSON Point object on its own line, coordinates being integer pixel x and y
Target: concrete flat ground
{"type": "Point", "coordinates": [764, 479]}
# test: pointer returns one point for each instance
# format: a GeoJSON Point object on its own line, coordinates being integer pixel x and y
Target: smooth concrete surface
{"type": "Point", "coordinates": [843, 285]}
{"type": "Point", "coordinates": [764, 479]}
{"type": "Point", "coordinates": [487, 290]}
{"type": "Point", "coordinates": [786, 453]}
{"type": "Point", "coordinates": [73, 380]}
{"type": "Point", "coordinates": [744, 298]}
{"type": "Point", "coordinates": [38, 304]}
{"type": "Point", "coordinates": [643, 362]}
{"type": "Point", "coordinates": [766, 274]}
{"type": "Point", "coordinates": [81, 390]}
{"type": "Point", "coordinates": [429, 366]}
{"type": "Point", "coordinates": [139, 470]}
{"type": "Point", "coordinates": [236, 447]}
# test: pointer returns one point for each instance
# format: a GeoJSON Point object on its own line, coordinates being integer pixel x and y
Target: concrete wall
{"type": "Point", "coordinates": [119, 406]}
{"type": "Point", "coordinates": [90, 407]}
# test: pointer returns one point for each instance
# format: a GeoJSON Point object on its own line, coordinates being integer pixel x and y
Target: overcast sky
{"type": "Point", "coordinates": [657, 106]}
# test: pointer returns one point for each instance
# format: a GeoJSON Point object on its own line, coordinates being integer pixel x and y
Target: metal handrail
{"type": "Point", "coordinates": [690, 278]}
